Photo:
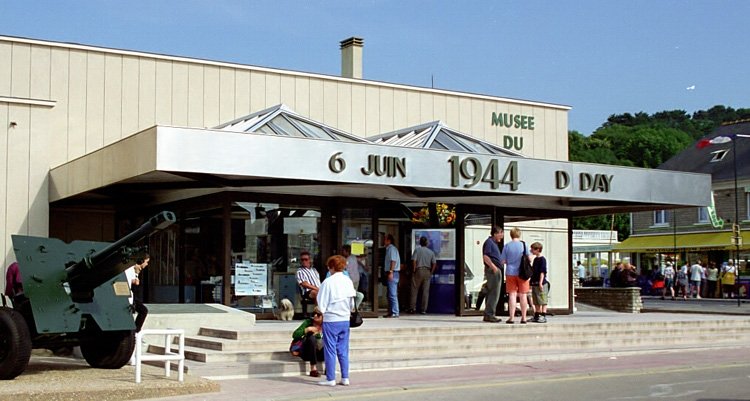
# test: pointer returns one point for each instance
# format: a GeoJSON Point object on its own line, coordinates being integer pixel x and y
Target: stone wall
{"type": "Point", "coordinates": [626, 300]}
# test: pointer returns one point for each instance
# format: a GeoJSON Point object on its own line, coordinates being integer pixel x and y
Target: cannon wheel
{"type": "Point", "coordinates": [108, 349]}
{"type": "Point", "coordinates": [15, 344]}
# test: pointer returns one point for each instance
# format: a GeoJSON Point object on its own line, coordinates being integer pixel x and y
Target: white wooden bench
{"type": "Point", "coordinates": [168, 355]}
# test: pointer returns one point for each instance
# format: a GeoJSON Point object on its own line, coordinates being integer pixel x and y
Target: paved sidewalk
{"type": "Point", "coordinates": [377, 385]}
{"type": "Point", "coordinates": [69, 379]}
{"type": "Point", "coordinates": [711, 306]}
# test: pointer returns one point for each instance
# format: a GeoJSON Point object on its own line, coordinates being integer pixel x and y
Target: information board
{"type": "Point", "coordinates": [250, 279]}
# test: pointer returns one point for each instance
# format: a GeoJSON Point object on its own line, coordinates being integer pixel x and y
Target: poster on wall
{"type": "Point", "coordinates": [250, 279]}
{"type": "Point", "coordinates": [440, 241]}
{"type": "Point", "coordinates": [443, 282]}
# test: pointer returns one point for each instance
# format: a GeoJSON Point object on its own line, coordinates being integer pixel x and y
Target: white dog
{"type": "Point", "coordinates": [286, 310]}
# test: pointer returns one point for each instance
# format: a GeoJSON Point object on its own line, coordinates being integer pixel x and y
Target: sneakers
{"type": "Point", "coordinates": [330, 383]}
{"type": "Point", "coordinates": [491, 319]}
{"type": "Point", "coordinates": [345, 382]}
{"type": "Point", "coordinates": [541, 319]}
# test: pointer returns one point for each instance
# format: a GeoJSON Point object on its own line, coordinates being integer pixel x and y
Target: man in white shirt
{"type": "Point", "coordinates": [696, 272]}
{"type": "Point", "coordinates": [308, 277]}
{"type": "Point", "coordinates": [136, 291]}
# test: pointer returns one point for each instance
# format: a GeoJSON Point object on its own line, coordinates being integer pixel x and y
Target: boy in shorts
{"type": "Point", "coordinates": [539, 284]}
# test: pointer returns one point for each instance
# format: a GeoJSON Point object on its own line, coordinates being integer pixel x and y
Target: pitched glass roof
{"type": "Point", "coordinates": [436, 135]}
{"type": "Point", "coordinates": [281, 120]}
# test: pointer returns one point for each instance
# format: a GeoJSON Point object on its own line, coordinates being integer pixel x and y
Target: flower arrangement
{"type": "Point", "coordinates": [446, 215]}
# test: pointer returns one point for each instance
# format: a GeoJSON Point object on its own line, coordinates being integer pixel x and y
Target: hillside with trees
{"type": "Point", "coordinates": [643, 140]}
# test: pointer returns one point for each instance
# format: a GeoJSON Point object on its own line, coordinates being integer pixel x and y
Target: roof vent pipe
{"type": "Point", "coordinates": [351, 57]}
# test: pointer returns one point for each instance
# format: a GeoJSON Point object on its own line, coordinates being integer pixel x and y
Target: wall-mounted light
{"type": "Point", "coordinates": [13, 124]}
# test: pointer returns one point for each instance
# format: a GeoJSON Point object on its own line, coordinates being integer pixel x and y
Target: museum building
{"type": "Point", "coordinates": [260, 164]}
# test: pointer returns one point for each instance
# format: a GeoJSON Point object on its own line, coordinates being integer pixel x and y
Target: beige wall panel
{"type": "Point", "coordinates": [516, 134]}
{"type": "Point", "coordinates": [330, 103]}
{"type": "Point", "coordinates": [77, 105]}
{"type": "Point", "coordinates": [59, 114]}
{"type": "Point", "coordinates": [273, 90]}
{"type": "Point", "coordinates": [287, 87]}
{"type": "Point", "coordinates": [534, 140]}
{"type": "Point", "coordinates": [358, 110]}
{"type": "Point", "coordinates": [5, 249]}
{"type": "Point", "coordinates": [372, 111]}
{"type": "Point", "coordinates": [211, 85]}
{"type": "Point", "coordinates": [439, 111]}
{"type": "Point", "coordinates": [226, 95]}
{"type": "Point", "coordinates": [490, 132]}
{"type": "Point", "coordinates": [38, 169]}
{"type": "Point", "coordinates": [40, 68]}
{"type": "Point", "coordinates": [146, 93]}
{"type": "Point", "coordinates": [257, 91]}
{"type": "Point", "coordinates": [112, 98]}
{"type": "Point", "coordinates": [180, 88]}
{"type": "Point", "coordinates": [413, 108]}
{"type": "Point", "coordinates": [130, 85]}
{"type": "Point", "coordinates": [317, 110]}
{"type": "Point", "coordinates": [17, 182]}
{"type": "Point", "coordinates": [344, 106]}
{"type": "Point", "coordinates": [386, 106]}
{"type": "Point", "coordinates": [452, 113]}
{"type": "Point", "coordinates": [302, 96]}
{"type": "Point", "coordinates": [163, 91]}
{"type": "Point", "coordinates": [562, 135]}
{"type": "Point", "coordinates": [94, 101]}
{"type": "Point", "coordinates": [464, 115]}
{"type": "Point", "coordinates": [6, 50]}
{"type": "Point", "coordinates": [542, 129]}
{"type": "Point", "coordinates": [399, 110]}
{"type": "Point", "coordinates": [21, 70]}
{"type": "Point", "coordinates": [426, 108]}
{"type": "Point", "coordinates": [241, 93]}
{"type": "Point", "coordinates": [195, 96]}
{"type": "Point", "coordinates": [478, 122]}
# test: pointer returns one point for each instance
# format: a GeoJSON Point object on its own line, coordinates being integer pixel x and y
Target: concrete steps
{"type": "Point", "coordinates": [215, 352]}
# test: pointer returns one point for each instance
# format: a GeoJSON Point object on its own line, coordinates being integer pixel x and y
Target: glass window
{"type": "Point", "coordinates": [356, 232]}
{"type": "Point", "coordinates": [660, 217]}
{"type": "Point", "coordinates": [702, 215]}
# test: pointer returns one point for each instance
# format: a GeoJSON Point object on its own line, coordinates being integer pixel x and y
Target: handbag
{"type": "Point", "coordinates": [355, 320]}
{"type": "Point", "coordinates": [526, 270]}
{"type": "Point", "coordinates": [295, 348]}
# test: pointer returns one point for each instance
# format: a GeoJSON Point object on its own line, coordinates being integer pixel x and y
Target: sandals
{"type": "Point", "coordinates": [509, 321]}
{"type": "Point", "coordinates": [314, 373]}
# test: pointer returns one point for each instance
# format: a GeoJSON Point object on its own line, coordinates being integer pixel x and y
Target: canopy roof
{"type": "Point", "coordinates": [436, 135]}
{"type": "Point", "coordinates": [276, 151]}
{"type": "Point", "coordinates": [282, 121]}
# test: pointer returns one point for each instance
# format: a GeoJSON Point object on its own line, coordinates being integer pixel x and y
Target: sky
{"type": "Point", "coordinates": [600, 57]}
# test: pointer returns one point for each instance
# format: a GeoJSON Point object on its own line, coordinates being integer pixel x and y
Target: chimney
{"type": "Point", "coordinates": [351, 57]}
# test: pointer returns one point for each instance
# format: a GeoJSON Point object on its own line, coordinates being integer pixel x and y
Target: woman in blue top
{"type": "Point", "coordinates": [513, 251]}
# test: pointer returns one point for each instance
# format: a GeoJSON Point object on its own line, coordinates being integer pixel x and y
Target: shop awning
{"type": "Point", "coordinates": [593, 248]}
{"type": "Point", "coordinates": [718, 241]}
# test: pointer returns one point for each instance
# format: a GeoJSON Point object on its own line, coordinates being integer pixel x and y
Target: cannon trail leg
{"type": "Point", "coordinates": [15, 344]}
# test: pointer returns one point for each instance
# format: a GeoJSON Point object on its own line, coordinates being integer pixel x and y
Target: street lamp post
{"type": "Point", "coordinates": [736, 229]}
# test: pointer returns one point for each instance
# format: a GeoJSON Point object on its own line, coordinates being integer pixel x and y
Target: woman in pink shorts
{"type": "Point", "coordinates": [512, 253]}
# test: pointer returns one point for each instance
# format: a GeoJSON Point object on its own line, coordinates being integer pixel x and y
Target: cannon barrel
{"type": "Point", "coordinates": [96, 269]}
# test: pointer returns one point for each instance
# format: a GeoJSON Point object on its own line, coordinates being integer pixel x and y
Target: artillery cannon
{"type": "Point", "coordinates": [76, 294]}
